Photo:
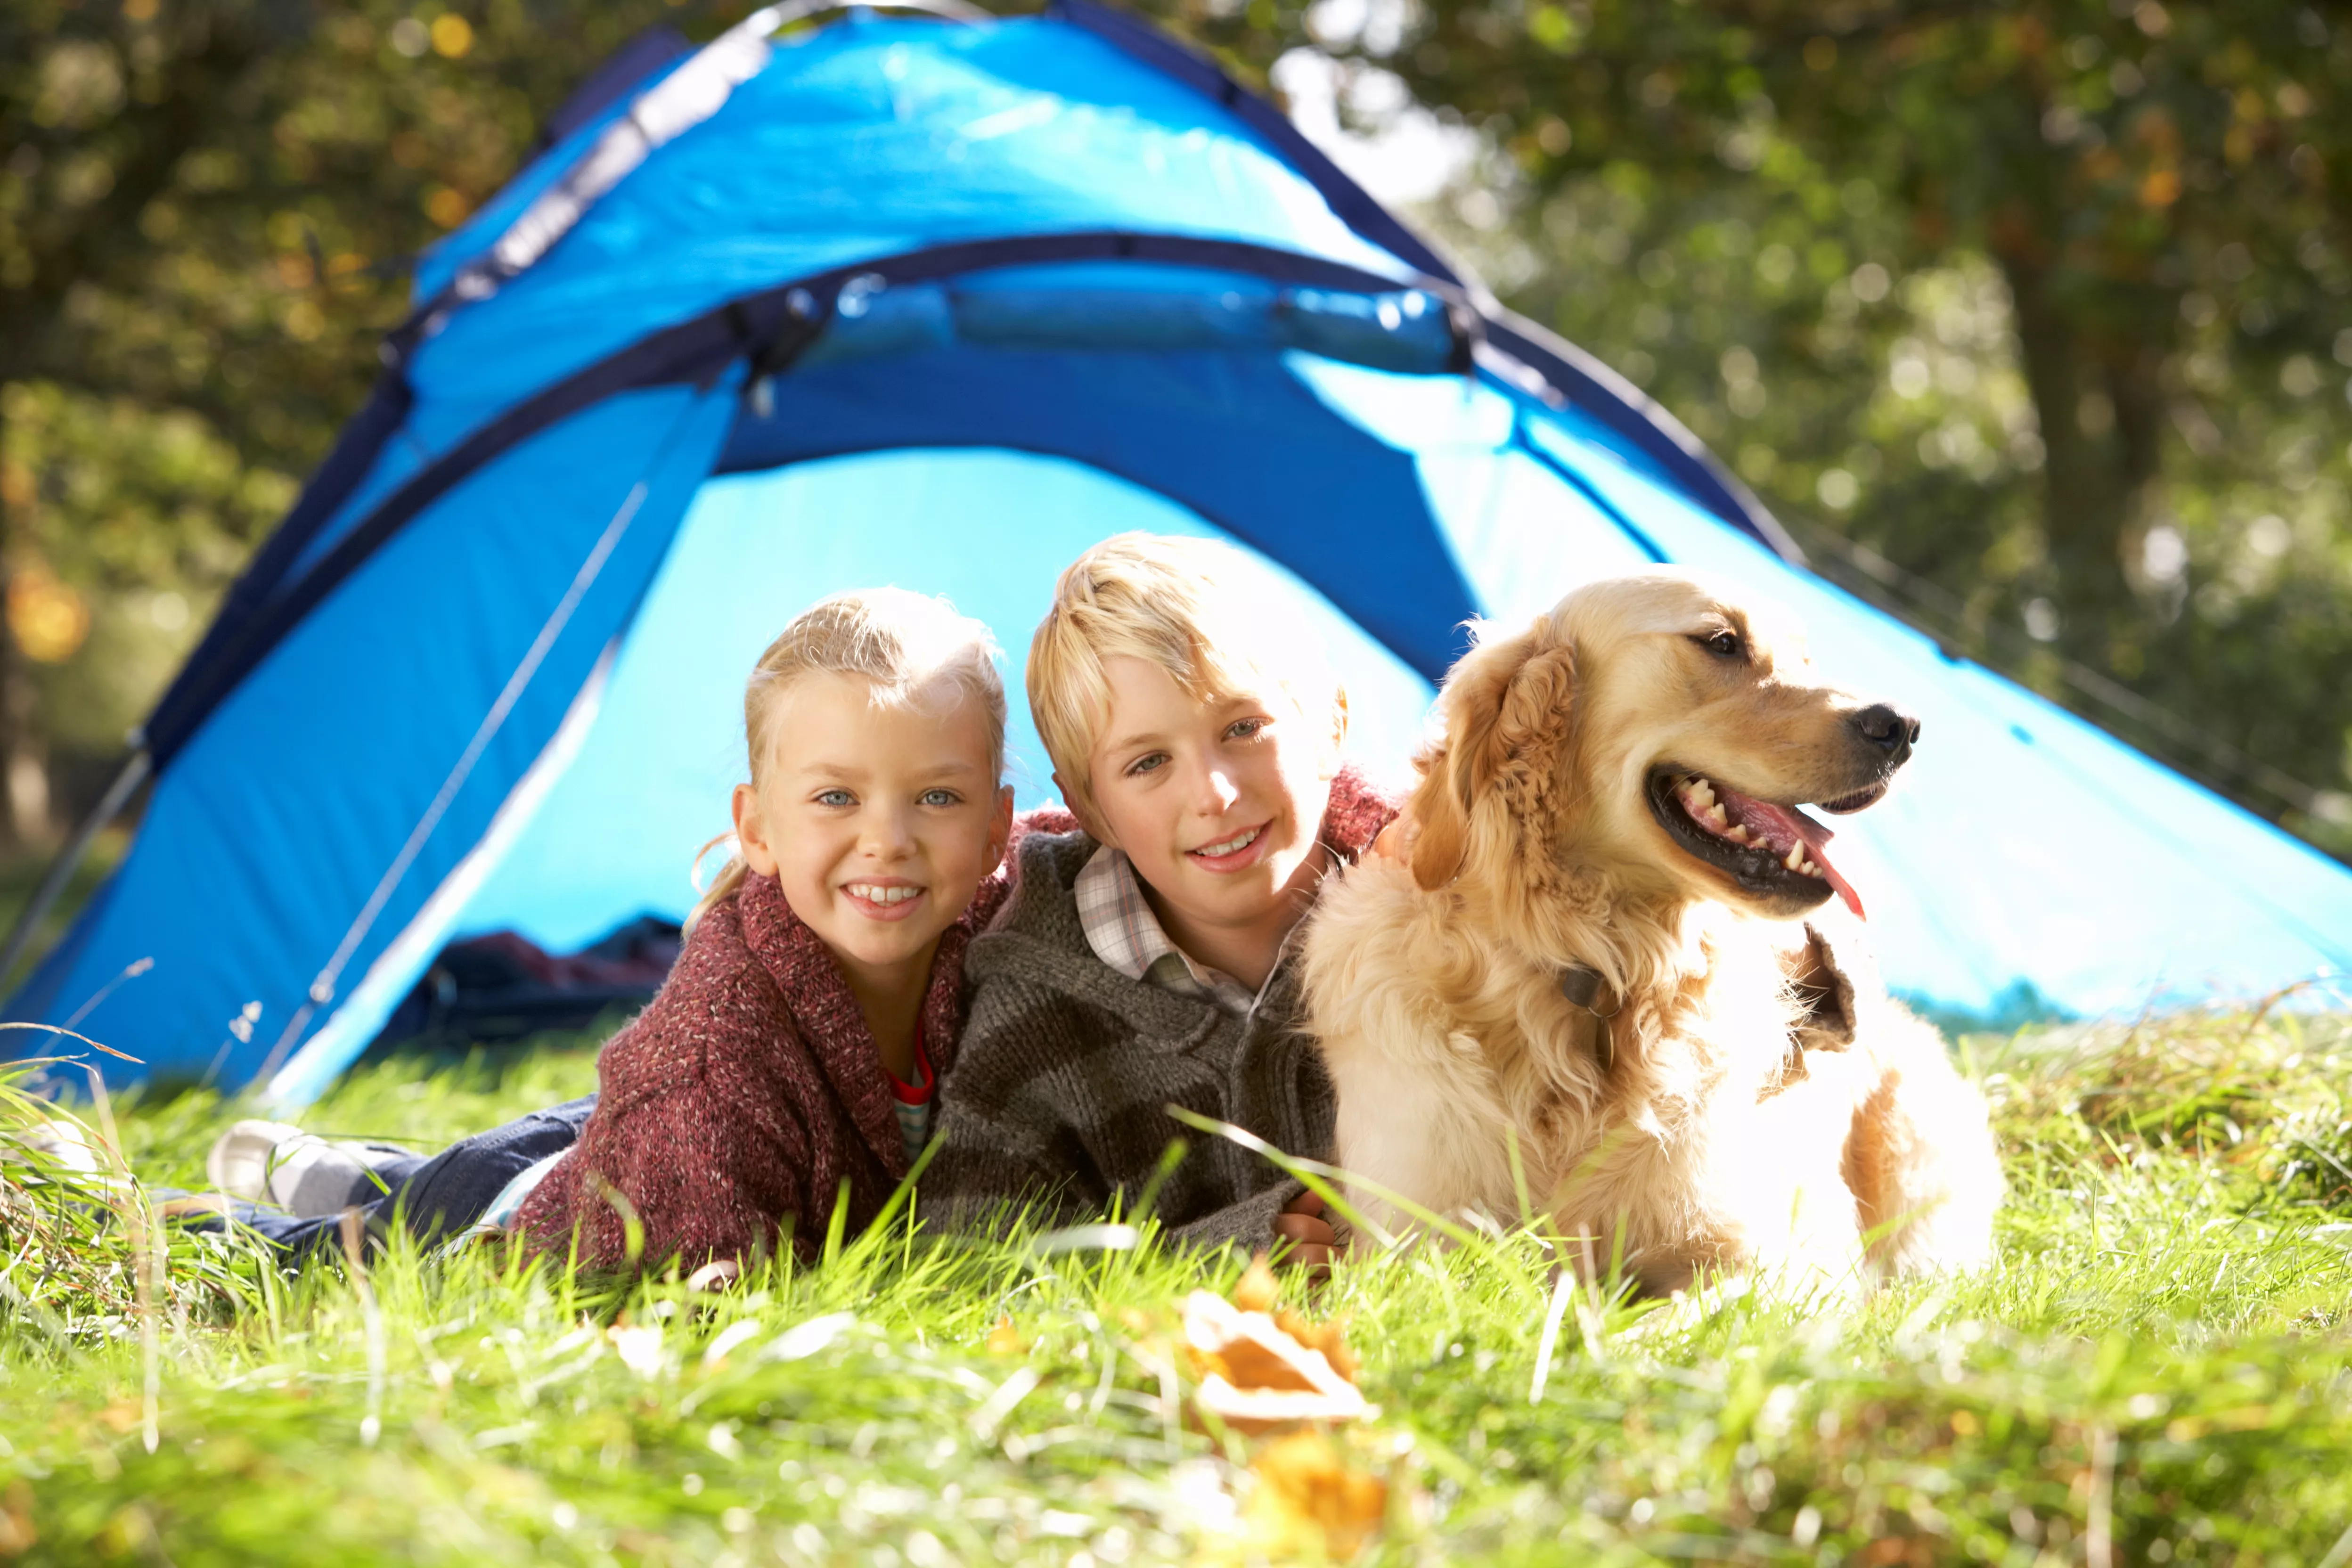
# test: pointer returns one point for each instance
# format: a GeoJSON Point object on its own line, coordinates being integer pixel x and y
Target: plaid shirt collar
{"type": "Point", "coordinates": [1124, 933]}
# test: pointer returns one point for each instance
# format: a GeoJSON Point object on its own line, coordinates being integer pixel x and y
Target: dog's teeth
{"type": "Point", "coordinates": [1796, 860]}
{"type": "Point", "coordinates": [1809, 869]}
{"type": "Point", "coordinates": [1703, 791]}
{"type": "Point", "coordinates": [1738, 833]}
{"type": "Point", "coordinates": [1718, 815]}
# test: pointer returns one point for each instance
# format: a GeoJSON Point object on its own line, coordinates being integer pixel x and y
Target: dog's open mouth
{"type": "Point", "coordinates": [1774, 851]}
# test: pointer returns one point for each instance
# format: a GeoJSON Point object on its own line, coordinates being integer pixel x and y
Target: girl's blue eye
{"type": "Point", "coordinates": [942, 798]}
{"type": "Point", "coordinates": [1150, 764]}
{"type": "Point", "coordinates": [1245, 728]}
{"type": "Point", "coordinates": [836, 797]}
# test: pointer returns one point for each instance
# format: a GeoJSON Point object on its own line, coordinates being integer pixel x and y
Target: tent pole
{"type": "Point", "coordinates": [109, 805]}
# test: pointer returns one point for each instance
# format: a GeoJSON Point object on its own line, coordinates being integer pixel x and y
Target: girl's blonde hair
{"type": "Point", "coordinates": [898, 642]}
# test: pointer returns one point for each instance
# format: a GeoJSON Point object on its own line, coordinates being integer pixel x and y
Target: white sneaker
{"type": "Point", "coordinates": [62, 1143]}
{"type": "Point", "coordinates": [308, 1176]}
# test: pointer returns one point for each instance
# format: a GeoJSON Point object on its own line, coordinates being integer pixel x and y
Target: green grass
{"type": "Point", "coordinates": [2158, 1370]}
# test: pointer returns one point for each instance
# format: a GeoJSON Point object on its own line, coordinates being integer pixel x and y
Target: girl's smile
{"type": "Point", "coordinates": [884, 897]}
{"type": "Point", "coordinates": [877, 820]}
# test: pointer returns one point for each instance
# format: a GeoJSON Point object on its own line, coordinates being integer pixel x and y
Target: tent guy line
{"type": "Point", "coordinates": [322, 990]}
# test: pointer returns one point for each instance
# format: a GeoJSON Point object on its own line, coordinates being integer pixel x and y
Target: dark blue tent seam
{"type": "Point", "coordinates": [690, 351]}
{"type": "Point", "coordinates": [1649, 427]}
{"type": "Point", "coordinates": [1620, 408]}
{"type": "Point", "coordinates": [353, 454]}
{"type": "Point", "coordinates": [1349, 201]}
{"type": "Point", "coordinates": [1627, 411]}
{"type": "Point", "coordinates": [1585, 488]}
{"type": "Point", "coordinates": [624, 71]}
{"type": "Point", "coordinates": [249, 625]}
{"type": "Point", "coordinates": [1433, 675]}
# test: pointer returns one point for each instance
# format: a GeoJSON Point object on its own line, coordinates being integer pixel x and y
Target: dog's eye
{"type": "Point", "coordinates": [1723, 645]}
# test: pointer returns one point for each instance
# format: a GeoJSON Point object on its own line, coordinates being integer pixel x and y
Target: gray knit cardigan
{"type": "Point", "coordinates": [1059, 1094]}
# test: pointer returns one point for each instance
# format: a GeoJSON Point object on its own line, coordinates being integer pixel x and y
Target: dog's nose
{"type": "Point", "coordinates": [1887, 729]}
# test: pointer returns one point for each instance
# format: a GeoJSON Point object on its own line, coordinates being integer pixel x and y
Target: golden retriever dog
{"type": "Point", "coordinates": [1581, 986]}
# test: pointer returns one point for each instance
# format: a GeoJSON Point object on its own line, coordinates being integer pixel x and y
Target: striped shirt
{"type": "Point", "coordinates": [913, 1101]}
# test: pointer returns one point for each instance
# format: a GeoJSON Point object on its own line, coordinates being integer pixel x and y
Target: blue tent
{"type": "Point", "coordinates": [940, 302]}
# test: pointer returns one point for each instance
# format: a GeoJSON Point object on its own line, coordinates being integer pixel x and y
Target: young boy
{"type": "Point", "coordinates": [1147, 961]}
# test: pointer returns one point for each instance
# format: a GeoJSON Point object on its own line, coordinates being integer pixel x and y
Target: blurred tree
{"type": "Point", "coordinates": [204, 210]}
{"type": "Point", "coordinates": [2032, 318]}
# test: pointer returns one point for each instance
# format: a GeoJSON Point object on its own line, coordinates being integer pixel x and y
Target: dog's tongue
{"type": "Point", "coordinates": [1792, 824]}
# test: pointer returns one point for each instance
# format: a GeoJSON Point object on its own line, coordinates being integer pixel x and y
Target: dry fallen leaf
{"type": "Point", "coordinates": [1005, 1339]}
{"type": "Point", "coordinates": [1257, 1375]}
{"type": "Point", "coordinates": [1257, 1289]}
{"type": "Point", "coordinates": [17, 1535]}
{"type": "Point", "coordinates": [1308, 1502]}
{"type": "Point", "coordinates": [1330, 1338]}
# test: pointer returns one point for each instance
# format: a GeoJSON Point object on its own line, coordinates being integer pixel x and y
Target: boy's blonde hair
{"type": "Point", "coordinates": [897, 640]}
{"type": "Point", "coordinates": [1198, 608]}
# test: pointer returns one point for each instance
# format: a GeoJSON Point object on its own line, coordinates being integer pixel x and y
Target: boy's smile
{"type": "Point", "coordinates": [1235, 853]}
{"type": "Point", "coordinates": [1217, 804]}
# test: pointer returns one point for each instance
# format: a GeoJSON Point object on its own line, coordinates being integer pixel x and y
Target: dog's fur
{"type": "Point", "coordinates": [1755, 1100]}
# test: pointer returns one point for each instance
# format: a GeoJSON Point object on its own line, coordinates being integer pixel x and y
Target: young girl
{"type": "Point", "coordinates": [794, 1049]}
{"type": "Point", "coordinates": [793, 1052]}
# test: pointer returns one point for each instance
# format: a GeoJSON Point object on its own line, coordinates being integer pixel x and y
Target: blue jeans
{"type": "Point", "coordinates": [433, 1198]}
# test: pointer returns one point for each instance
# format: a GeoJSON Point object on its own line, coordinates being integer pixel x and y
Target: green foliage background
{"type": "Point", "coordinates": [2030, 319]}
{"type": "Point", "coordinates": [205, 210]}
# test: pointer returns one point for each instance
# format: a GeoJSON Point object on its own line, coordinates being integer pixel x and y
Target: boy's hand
{"type": "Point", "coordinates": [1312, 1242]}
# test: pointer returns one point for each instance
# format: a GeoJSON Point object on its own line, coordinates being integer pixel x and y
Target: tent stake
{"type": "Point", "coordinates": [109, 805]}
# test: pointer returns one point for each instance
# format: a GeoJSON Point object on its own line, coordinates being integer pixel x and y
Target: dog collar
{"type": "Point", "coordinates": [1581, 985]}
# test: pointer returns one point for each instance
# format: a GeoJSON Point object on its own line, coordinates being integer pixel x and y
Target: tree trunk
{"type": "Point", "coordinates": [2100, 424]}
{"type": "Point", "coordinates": [24, 761]}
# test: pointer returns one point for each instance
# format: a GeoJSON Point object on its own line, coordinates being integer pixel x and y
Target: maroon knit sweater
{"type": "Point", "coordinates": [749, 1089]}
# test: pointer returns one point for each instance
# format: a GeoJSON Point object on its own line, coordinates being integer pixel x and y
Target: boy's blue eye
{"type": "Point", "coordinates": [1150, 764]}
{"type": "Point", "coordinates": [835, 797]}
{"type": "Point", "coordinates": [1245, 728]}
{"type": "Point", "coordinates": [942, 798]}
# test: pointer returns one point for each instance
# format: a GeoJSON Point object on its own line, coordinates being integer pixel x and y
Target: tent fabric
{"type": "Point", "coordinates": [336, 788]}
{"type": "Point", "coordinates": [2021, 845]}
{"type": "Point", "coordinates": [941, 305]}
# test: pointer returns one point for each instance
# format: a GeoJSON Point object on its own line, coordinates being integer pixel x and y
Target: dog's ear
{"type": "Point", "coordinates": [1505, 703]}
{"type": "Point", "coordinates": [1441, 832]}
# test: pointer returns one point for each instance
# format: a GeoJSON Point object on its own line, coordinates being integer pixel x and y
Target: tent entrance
{"type": "Point", "coordinates": [604, 828]}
